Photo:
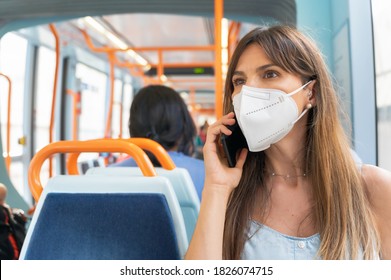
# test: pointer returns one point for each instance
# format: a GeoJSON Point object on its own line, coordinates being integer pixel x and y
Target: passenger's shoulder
{"type": "Point", "coordinates": [124, 163]}
{"type": "Point", "coordinates": [195, 162]}
{"type": "Point", "coordinates": [180, 157]}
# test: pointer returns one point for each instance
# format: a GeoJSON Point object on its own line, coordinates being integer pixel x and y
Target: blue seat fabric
{"type": "Point", "coordinates": [123, 226]}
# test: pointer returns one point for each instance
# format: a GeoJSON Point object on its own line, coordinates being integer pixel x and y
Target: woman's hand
{"type": "Point", "coordinates": [218, 174]}
{"type": "Point", "coordinates": [220, 180]}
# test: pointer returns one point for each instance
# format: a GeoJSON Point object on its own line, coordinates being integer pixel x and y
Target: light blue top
{"type": "Point", "coordinates": [265, 243]}
{"type": "Point", "coordinates": [194, 166]}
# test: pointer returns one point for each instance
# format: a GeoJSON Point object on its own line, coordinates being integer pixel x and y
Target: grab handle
{"type": "Point", "coordinates": [103, 145]}
{"type": "Point", "coordinates": [144, 143]}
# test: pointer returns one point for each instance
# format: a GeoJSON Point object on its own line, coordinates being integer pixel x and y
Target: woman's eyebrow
{"type": "Point", "coordinates": [263, 67]}
{"type": "Point", "coordinates": [259, 69]}
{"type": "Point", "coordinates": [239, 73]}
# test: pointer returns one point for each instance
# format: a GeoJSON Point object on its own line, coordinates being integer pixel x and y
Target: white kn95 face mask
{"type": "Point", "coordinates": [265, 116]}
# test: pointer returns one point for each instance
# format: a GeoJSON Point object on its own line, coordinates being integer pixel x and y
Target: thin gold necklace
{"type": "Point", "coordinates": [286, 176]}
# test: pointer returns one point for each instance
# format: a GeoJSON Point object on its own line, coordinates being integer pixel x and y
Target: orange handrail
{"type": "Point", "coordinates": [170, 64]}
{"type": "Point", "coordinates": [158, 49]}
{"type": "Point", "coordinates": [149, 48]}
{"type": "Point", "coordinates": [103, 145]}
{"type": "Point", "coordinates": [75, 111]}
{"type": "Point", "coordinates": [8, 143]}
{"type": "Point", "coordinates": [144, 143]}
{"type": "Point", "coordinates": [52, 119]}
{"type": "Point", "coordinates": [219, 7]}
{"type": "Point", "coordinates": [161, 65]}
{"type": "Point", "coordinates": [192, 80]}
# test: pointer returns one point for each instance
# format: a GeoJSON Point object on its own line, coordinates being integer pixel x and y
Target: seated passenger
{"type": "Point", "coordinates": [159, 113]}
{"type": "Point", "coordinates": [12, 228]}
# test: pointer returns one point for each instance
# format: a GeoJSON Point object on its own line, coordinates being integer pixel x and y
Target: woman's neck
{"type": "Point", "coordinates": [287, 156]}
{"type": "Point", "coordinates": [283, 160]}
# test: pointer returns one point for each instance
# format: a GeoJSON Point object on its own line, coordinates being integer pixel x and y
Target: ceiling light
{"type": "Point", "coordinates": [118, 42]}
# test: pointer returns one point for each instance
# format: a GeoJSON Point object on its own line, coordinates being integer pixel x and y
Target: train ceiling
{"type": "Point", "coordinates": [152, 23]}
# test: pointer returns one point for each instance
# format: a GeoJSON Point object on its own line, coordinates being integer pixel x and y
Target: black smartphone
{"type": "Point", "coordinates": [233, 143]}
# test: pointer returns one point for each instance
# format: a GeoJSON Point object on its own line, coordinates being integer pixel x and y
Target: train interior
{"type": "Point", "coordinates": [69, 71]}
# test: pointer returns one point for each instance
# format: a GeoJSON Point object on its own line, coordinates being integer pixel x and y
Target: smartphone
{"type": "Point", "coordinates": [233, 143]}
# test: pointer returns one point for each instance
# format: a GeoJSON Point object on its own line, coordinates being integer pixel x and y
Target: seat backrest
{"type": "Point", "coordinates": [106, 217]}
{"type": "Point", "coordinates": [181, 182]}
{"type": "Point", "coordinates": [83, 166]}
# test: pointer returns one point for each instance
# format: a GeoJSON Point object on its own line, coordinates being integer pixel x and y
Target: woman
{"type": "Point", "coordinates": [297, 193]}
{"type": "Point", "coordinates": [159, 113]}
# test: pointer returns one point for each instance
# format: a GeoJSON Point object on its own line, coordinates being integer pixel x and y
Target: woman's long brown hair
{"type": "Point", "coordinates": [342, 211]}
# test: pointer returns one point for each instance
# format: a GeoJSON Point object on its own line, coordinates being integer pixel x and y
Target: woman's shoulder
{"type": "Point", "coordinates": [377, 180]}
{"type": "Point", "coordinates": [378, 186]}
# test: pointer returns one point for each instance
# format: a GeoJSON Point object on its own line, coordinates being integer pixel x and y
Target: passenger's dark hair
{"type": "Point", "coordinates": [159, 113]}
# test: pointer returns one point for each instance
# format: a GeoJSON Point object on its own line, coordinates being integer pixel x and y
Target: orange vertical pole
{"type": "Point", "coordinates": [121, 121]}
{"type": "Point", "coordinates": [76, 114]}
{"type": "Point", "coordinates": [75, 111]}
{"type": "Point", "coordinates": [8, 143]}
{"type": "Point", "coordinates": [219, 6]}
{"type": "Point", "coordinates": [160, 70]}
{"type": "Point", "coordinates": [111, 56]}
{"type": "Point", "coordinates": [192, 96]}
{"type": "Point", "coordinates": [51, 128]}
{"type": "Point", "coordinates": [192, 102]}
{"type": "Point", "coordinates": [234, 30]}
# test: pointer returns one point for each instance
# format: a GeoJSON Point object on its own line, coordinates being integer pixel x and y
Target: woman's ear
{"type": "Point", "coordinates": [312, 93]}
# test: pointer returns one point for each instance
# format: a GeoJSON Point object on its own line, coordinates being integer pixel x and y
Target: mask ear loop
{"type": "Point", "coordinates": [307, 107]}
{"type": "Point", "coordinates": [299, 89]}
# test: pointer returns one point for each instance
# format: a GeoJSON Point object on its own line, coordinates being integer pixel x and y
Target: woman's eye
{"type": "Point", "coordinates": [238, 82]}
{"type": "Point", "coordinates": [270, 74]}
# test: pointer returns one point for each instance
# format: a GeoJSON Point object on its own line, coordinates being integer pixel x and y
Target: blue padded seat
{"type": "Point", "coordinates": [86, 218]}
{"type": "Point", "coordinates": [182, 185]}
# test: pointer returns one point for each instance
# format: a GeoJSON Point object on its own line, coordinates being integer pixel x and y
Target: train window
{"type": "Point", "coordinates": [43, 104]}
{"type": "Point", "coordinates": [381, 10]}
{"type": "Point", "coordinates": [93, 101]}
{"type": "Point", "coordinates": [126, 102]}
{"type": "Point", "coordinates": [117, 106]}
{"type": "Point", "coordinates": [44, 93]}
{"type": "Point", "coordinates": [13, 64]}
